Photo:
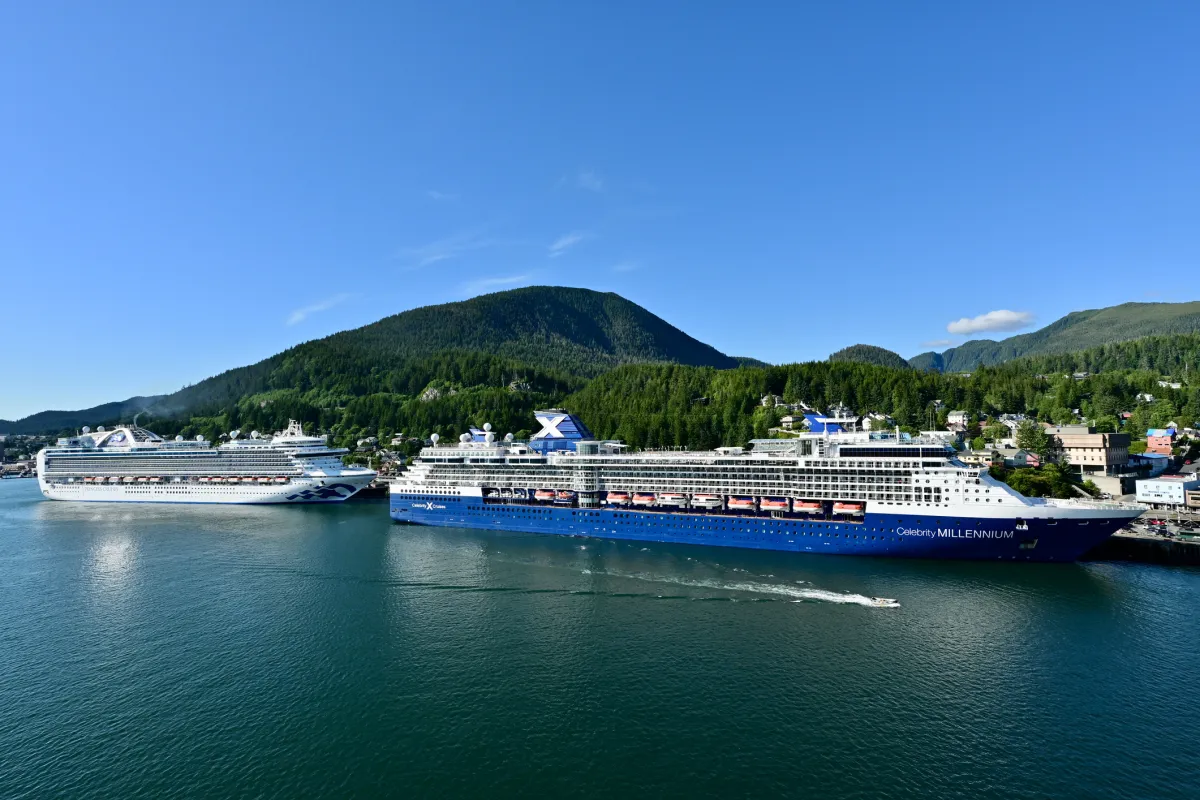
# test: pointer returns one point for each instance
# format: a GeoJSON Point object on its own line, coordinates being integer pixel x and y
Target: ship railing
{"type": "Point", "coordinates": [1097, 504]}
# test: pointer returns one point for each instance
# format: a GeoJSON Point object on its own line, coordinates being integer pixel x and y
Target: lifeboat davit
{"type": "Point", "coordinates": [774, 504]}
{"type": "Point", "coordinates": [807, 507]}
{"type": "Point", "coordinates": [673, 499]}
{"type": "Point", "coordinates": [643, 498]}
{"type": "Point", "coordinates": [742, 503]}
{"type": "Point", "coordinates": [543, 494]}
{"type": "Point", "coordinates": [706, 501]}
{"type": "Point", "coordinates": [617, 498]}
{"type": "Point", "coordinates": [847, 508]}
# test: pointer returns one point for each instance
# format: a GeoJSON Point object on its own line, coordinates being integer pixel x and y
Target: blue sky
{"type": "Point", "coordinates": [188, 189]}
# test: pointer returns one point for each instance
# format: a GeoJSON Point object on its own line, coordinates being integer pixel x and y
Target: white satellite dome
{"type": "Point", "coordinates": [86, 429]}
{"type": "Point", "coordinates": [489, 437]}
{"type": "Point", "coordinates": [434, 438]}
{"type": "Point", "coordinates": [508, 437]}
{"type": "Point", "coordinates": [100, 429]}
{"type": "Point", "coordinates": [179, 437]}
{"type": "Point", "coordinates": [199, 437]}
{"type": "Point", "coordinates": [487, 426]}
{"type": "Point", "coordinates": [464, 438]}
{"type": "Point", "coordinates": [234, 434]}
{"type": "Point", "coordinates": [254, 434]}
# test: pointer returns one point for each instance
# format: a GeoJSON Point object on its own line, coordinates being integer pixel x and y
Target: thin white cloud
{"type": "Point", "coordinates": [626, 266]}
{"type": "Point", "coordinates": [587, 179]}
{"type": "Point", "coordinates": [1002, 320]}
{"type": "Point", "coordinates": [445, 249]}
{"type": "Point", "coordinates": [434, 194]}
{"type": "Point", "coordinates": [565, 242]}
{"type": "Point", "coordinates": [301, 314]}
{"type": "Point", "coordinates": [481, 285]}
{"type": "Point", "coordinates": [938, 343]}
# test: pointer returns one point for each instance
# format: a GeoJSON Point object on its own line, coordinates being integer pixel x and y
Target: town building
{"type": "Point", "coordinates": [1015, 458]}
{"type": "Point", "coordinates": [976, 458]}
{"type": "Point", "coordinates": [1151, 464]}
{"type": "Point", "coordinates": [1092, 454]}
{"type": "Point", "coordinates": [1166, 490]}
{"type": "Point", "coordinates": [1160, 440]}
{"type": "Point", "coordinates": [959, 418]}
{"type": "Point", "coordinates": [954, 438]}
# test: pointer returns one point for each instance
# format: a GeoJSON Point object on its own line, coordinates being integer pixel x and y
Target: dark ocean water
{"type": "Point", "coordinates": [151, 651]}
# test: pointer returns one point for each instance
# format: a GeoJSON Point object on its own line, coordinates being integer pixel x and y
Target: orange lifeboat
{"type": "Point", "coordinates": [806, 507]}
{"type": "Point", "coordinates": [741, 503]}
{"type": "Point", "coordinates": [706, 501]}
{"type": "Point", "coordinates": [643, 498]}
{"type": "Point", "coordinates": [617, 498]}
{"type": "Point", "coordinates": [544, 494]}
{"type": "Point", "coordinates": [774, 504]}
{"type": "Point", "coordinates": [847, 508]}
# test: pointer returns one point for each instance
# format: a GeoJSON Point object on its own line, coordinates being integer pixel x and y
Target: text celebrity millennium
{"type": "Point", "coordinates": [133, 465]}
{"type": "Point", "coordinates": [846, 492]}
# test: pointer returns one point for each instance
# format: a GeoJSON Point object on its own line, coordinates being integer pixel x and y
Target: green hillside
{"type": "Point", "coordinates": [1077, 331]}
{"type": "Point", "coordinates": [547, 337]}
{"type": "Point", "coordinates": [870, 354]}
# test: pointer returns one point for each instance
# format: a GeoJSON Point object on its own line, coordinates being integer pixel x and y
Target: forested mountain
{"type": "Point", "coordinates": [870, 354]}
{"type": "Point", "coordinates": [54, 420]}
{"type": "Point", "coordinates": [400, 376]}
{"type": "Point", "coordinates": [663, 406]}
{"type": "Point", "coordinates": [1078, 330]}
{"type": "Point", "coordinates": [541, 334]}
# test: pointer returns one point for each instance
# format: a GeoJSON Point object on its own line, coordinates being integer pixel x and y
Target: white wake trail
{"type": "Point", "coordinates": [796, 594]}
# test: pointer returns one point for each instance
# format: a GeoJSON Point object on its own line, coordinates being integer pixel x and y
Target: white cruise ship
{"type": "Point", "coordinates": [133, 465]}
{"type": "Point", "coordinates": [831, 492]}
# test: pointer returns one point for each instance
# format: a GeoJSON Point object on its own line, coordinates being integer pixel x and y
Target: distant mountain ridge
{"type": "Point", "coordinates": [555, 330]}
{"type": "Point", "coordinates": [1079, 330]}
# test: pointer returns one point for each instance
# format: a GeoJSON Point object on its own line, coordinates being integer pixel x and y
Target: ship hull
{"type": "Point", "coordinates": [940, 536]}
{"type": "Point", "coordinates": [332, 490]}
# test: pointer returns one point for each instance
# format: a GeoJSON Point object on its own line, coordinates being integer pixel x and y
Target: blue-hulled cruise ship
{"type": "Point", "coordinates": [849, 493]}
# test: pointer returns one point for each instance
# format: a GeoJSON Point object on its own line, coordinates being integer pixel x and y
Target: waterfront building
{"type": "Point", "coordinates": [1166, 490]}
